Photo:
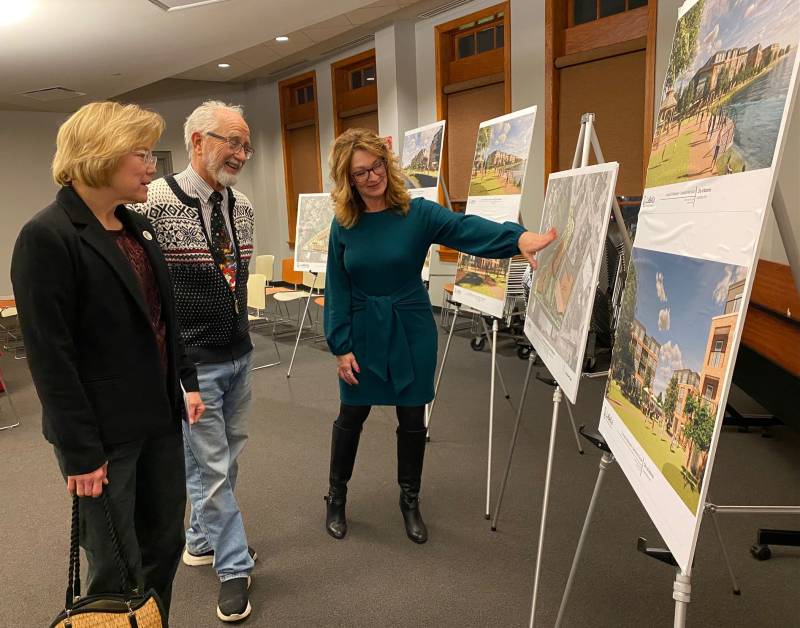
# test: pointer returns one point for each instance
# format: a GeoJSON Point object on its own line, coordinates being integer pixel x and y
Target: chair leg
{"type": "Point", "coordinates": [7, 392]}
{"type": "Point", "coordinates": [266, 322]}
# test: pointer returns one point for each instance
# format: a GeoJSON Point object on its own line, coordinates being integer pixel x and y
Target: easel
{"type": "Point", "coordinates": [587, 139]}
{"type": "Point", "coordinates": [456, 310]}
{"type": "Point", "coordinates": [495, 369]}
{"type": "Point", "coordinates": [302, 322]}
{"type": "Point", "coordinates": [455, 313]}
{"type": "Point", "coordinates": [682, 587]}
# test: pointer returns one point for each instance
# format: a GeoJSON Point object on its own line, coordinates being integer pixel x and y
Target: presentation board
{"type": "Point", "coordinates": [502, 154]}
{"type": "Point", "coordinates": [314, 217]}
{"type": "Point", "coordinates": [578, 204]}
{"type": "Point", "coordinates": [421, 161]}
{"type": "Point", "coordinates": [724, 109]}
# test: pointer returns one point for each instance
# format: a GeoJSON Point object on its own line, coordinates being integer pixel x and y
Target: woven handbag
{"type": "Point", "coordinates": [106, 610]}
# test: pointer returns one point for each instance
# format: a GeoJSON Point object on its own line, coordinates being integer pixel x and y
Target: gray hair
{"type": "Point", "coordinates": [204, 119]}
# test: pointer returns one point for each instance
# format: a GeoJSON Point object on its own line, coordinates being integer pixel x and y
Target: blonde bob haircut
{"type": "Point", "coordinates": [92, 141]}
{"type": "Point", "coordinates": [347, 202]}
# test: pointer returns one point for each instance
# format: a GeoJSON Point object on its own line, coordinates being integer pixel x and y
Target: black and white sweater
{"type": "Point", "coordinates": [213, 319]}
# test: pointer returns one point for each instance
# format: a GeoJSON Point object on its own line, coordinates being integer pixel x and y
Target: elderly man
{"type": "Point", "coordinates": [205, 228]}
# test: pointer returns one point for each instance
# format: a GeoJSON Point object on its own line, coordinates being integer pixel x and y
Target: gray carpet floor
{"type": "Point", "coordinates": [465, 575]}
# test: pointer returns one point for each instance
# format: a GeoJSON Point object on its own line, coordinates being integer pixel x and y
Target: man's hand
{"type": "Point", "coordinates": [347, 367]}
{"type": "Point", "coordinates": [88, 484]}
{"type": "Point", "coordinates": [194, 407]}
{"type": "Point", "coordinates": [530, 243]}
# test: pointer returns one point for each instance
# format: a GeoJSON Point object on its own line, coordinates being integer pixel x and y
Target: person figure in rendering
{"type": "Point", "coordinates": [96, 309]}
{"type": "Point", "coordinates": [205, 228]}
{"type": "Point", "coordinates": [378, 318]}
{"type": "Point", "coordinates": [717, 146]}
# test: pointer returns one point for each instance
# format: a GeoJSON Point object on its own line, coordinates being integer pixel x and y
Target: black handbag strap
{"type": "Point", "coordinates": [74, 582]}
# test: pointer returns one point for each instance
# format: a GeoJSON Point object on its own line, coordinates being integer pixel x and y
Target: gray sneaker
{"type": "Point", "coordinates": [233, 603]}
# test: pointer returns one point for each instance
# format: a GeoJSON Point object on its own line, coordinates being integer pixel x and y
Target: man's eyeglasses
{"type": "Point", "coordinates": [234, 144]}
{"type": "Point", "coordinates": [147, 156]}
{"type": "Point", "coordinates": [361, 175]}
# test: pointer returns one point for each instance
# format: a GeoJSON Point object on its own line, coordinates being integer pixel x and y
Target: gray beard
{"type": "Point", "coordinates": [224, 178]}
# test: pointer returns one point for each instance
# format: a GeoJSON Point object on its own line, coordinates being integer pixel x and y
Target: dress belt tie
{"type": "Point", "coordinates": [388, 350]}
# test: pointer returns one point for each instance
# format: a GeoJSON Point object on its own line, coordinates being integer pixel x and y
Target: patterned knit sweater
{"type": "Point", "coordinates": [213, 318]}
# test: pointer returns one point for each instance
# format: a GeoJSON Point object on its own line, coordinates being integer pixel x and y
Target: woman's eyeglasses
{"type": "Point", "coordinates": [362, 174]}
{"type": "Point", "coordinates": [147, 156]}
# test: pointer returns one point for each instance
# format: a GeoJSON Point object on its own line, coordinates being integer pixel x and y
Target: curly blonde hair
{"type": "Point", "coordinates": [94, 138]}
{"type": "Point", "coordinates": [347, 202]}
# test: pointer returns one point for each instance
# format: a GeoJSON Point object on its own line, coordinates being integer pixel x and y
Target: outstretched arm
{"type": "Point", "coordinates": [484, 238]}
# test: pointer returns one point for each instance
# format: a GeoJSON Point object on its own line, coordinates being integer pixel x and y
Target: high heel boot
{"type": "Point", "coordinates": [344, 445]}
{"type": "Point", "coordinates": [410, 455]}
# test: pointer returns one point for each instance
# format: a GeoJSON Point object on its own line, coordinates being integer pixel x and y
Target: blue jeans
{"type": "Point", "coordinates": [212, 447]}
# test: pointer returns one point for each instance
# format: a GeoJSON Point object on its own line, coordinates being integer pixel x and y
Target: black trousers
{"type": "Point", "coordinates": [409, 418]}
{"type": "Point", "coordinates": [147, 496]}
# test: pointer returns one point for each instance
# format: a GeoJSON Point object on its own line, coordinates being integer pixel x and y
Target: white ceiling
{"type": "Point", "coordinates": [109, 47]}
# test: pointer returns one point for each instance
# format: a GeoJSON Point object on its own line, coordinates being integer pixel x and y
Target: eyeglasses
{"type": "Point", "coordinates": [234, 144]}
{"type": "Point", "coordinates": [379, 168]}
{"type": "Point", "coordinates": [147, 156]}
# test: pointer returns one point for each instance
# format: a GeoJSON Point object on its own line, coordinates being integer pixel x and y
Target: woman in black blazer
{"type": "Point", "coordinates": [96, 309]}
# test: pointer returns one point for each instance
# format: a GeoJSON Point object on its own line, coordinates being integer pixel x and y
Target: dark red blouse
{"type": "Point", "coordinates": [147, 283]}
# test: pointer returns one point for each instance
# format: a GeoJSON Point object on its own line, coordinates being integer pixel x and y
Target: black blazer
{"type": "Point", "coordinates": [88, 338]}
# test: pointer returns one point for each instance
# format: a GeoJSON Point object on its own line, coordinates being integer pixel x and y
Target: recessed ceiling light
{"type": "Point", "coordinates": [223, 65]}
{"type": "Point", "coordinates": [15, 11]}
{"type": "Point", "coordinates": [281, 38]}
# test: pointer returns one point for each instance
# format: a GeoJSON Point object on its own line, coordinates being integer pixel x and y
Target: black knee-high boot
{"type": "Point", "coordinates": [344, 445]}
{"type": "Point", "coordinates": [410, 455]}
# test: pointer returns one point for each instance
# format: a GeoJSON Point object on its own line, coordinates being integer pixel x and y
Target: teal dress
{"type": "Point", "coordinates": [376, 305]}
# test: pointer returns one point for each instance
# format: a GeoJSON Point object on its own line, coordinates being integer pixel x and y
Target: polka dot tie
{"type": "Point", "coordinates": [221, 241]}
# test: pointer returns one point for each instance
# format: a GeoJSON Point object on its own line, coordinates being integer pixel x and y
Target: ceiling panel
{"type": "Point", "coordinates": [297, 41]}
{"type": "Point", "coordinates": [257, 56]}
{"type": "Point", "coordinates": [108, 47]}
{"type": "Point", "coordinates": [363, 16]}
{"type": "Point", "coordinates": [329, 28]}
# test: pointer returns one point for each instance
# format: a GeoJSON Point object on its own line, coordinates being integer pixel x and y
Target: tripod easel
{"type": "Point", "coordinates": [455, 313]}
{"type": "Point", "coordinates": [587, 140]}
{"type": "Point", "coordinates": [302, 322]}
{"type": "Point", "coordinates": [682, 587]}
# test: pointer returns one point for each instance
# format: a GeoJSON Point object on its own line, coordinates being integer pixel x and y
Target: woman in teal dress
{"type": "Point", "coordinates": [378, 318]}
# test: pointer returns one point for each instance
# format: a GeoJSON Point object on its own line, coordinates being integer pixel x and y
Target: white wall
{"type": "Point", "coordinates": [269, 184]}
{"type": "Point", "coordinates": [789, 172]}
{"type": "Point", "coordinates": [397, 81]}
{"type": "Point", "coordinates": [527, 88]}
{"type": "Point", "coordinates": [28, 141]}
{"type": "Point", "coordinates": [178, 104]}
{"type": "Point", "coordinates": [269, 198]}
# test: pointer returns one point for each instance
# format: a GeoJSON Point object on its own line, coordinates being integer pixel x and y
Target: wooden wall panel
{"type": "Point", "coordinates": [776, 339]}
{"type": "Point", "coordinates": [476, 66]}
{"type": "Point", "coordinates": [466, 110]}
{"type": "Point", "coordinates": [772, 326]}
{"type": "Point", "coordinates": [774, 290]}
{"type": "Point", "coordinates": [354, 99]}
{"type": "Point", "coordinates": [299, 123]}
{"type": "Point", "coordinates": [362, 121]}
{"type": "Point", "coordinates": [305, 175]}
{"type": "Point", "coordinates": [604, 88]}
{"type": "Point", "coordinates": [606, 31]}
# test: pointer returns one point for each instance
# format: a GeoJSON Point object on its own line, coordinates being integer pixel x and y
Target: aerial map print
{"type": "Point", "coordinates": [577, 204]}
{"type": "Point", "coordinates": [314, 216]}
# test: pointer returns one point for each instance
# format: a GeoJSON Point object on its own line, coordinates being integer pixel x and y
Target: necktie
{"type": "Point", "coordinates": [222, 247]}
